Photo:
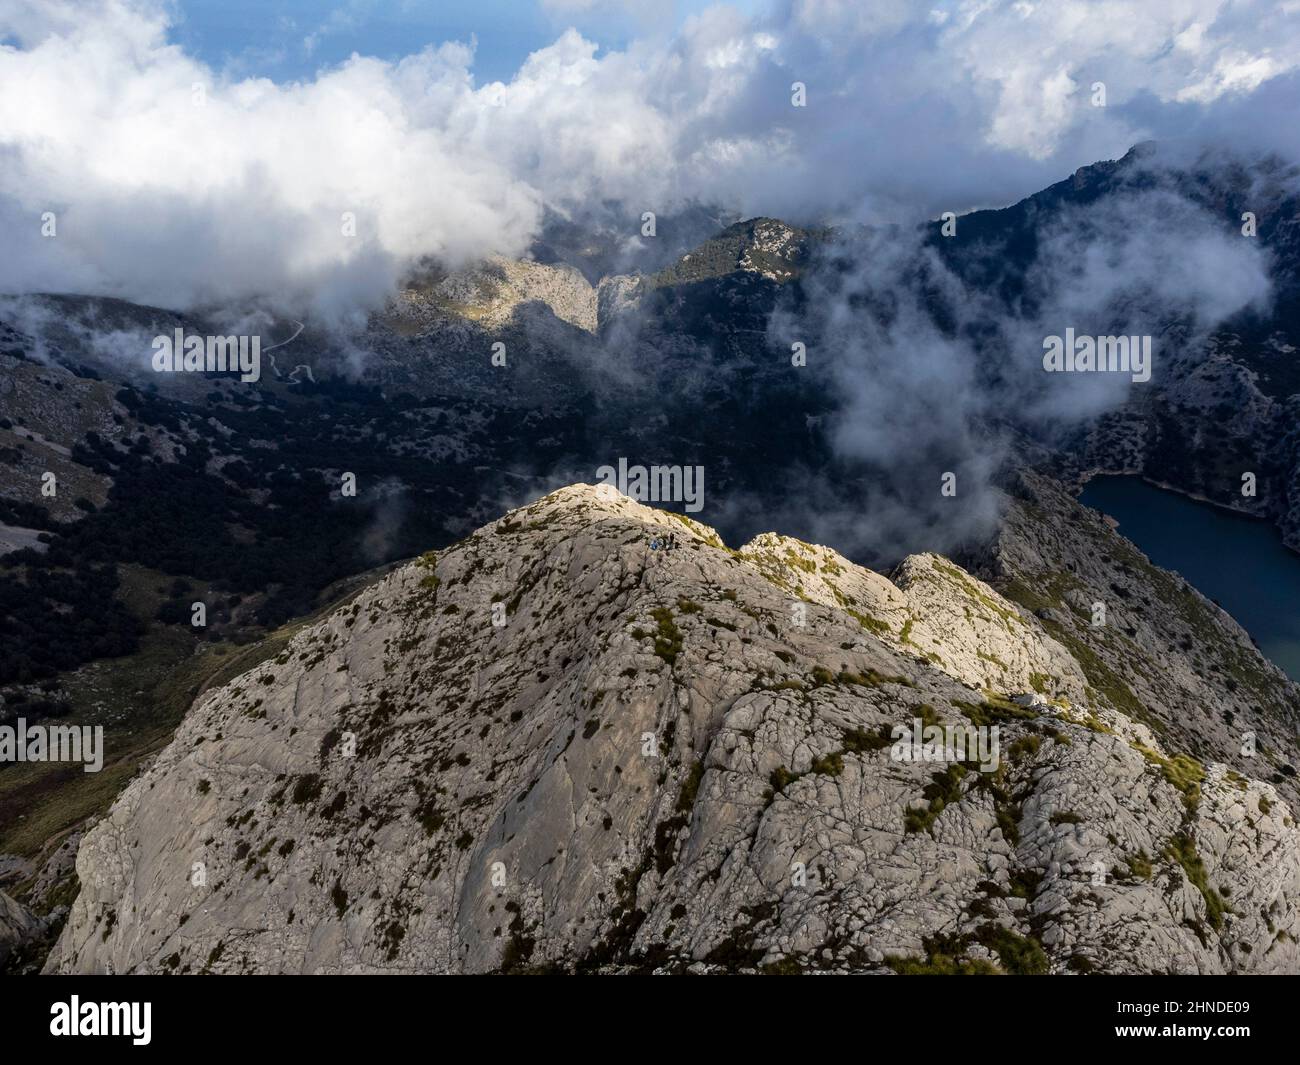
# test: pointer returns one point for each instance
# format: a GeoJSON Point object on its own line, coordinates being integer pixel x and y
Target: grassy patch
{"type": "Point", "coordinates": [995, 710]}
{"type": "Point", "coordinates": [872, 625]}
{"type": "Point", "coordinates": [1139, 865]}
{"type": "Point", "coordinates": [1182, 850]}
{"type": "Point", "coordinates": [859, 741]}
{"type": "Point", "coordinates": [830, 765]}
{"type": "Point", "coordinates": [941, 965]}
{"type": "Point", "coordinates": [1020, 955]}
{"type": "Point", "coordinates": [668, 637]}
{"type": "Point", "coordinates": [1182, 771]}
{"type": "Point", "coordinates": [944, 788]}
{"type": "Point", "coordinates": [690, 787]}
{"type": "Point", "coordinates": [1025, 746]}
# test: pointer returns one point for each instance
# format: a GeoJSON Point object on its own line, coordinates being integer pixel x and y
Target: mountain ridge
{"type": "Point", "coordinates": [763, 824]}
{"type": "Point", "coordinates": [185, 487]}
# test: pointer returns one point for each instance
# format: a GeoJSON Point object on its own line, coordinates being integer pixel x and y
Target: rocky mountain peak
{"type": "Point", "coordinates": [490, 294]}
{"type": "Point", "coordinates": [592, 736]}
{"type": "Point", "coordinates": [768, 247]}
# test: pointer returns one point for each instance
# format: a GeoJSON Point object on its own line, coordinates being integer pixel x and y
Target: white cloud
{"type": "Point", "coordinates": [912, 109]}
{"type": "Point", "coordinates": [570, 7]}
{"type": "Point", "coordinates": [166, 196]}
{"type": "Point", "coordinates": [1238, 73]}
{"type": "Point", "coordinates": [342, 19]}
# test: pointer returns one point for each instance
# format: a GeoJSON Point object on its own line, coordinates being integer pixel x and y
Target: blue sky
{"type": "Point", "coordinates": [269, 38]}
{"type": "Point", "coordinates": [913, 107]}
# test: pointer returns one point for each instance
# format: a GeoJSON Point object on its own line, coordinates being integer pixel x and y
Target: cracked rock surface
{"type": "Point", "coordinates": [552, 746]}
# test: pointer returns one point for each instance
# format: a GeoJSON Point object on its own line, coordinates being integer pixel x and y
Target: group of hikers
{"type": "Point", "coordinates": [664, 543]}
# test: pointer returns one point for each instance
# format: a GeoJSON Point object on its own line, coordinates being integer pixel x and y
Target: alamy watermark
{"type": "Point", "coordinates": [211, 354]}
{"type": "Point", "coordinates": [1093, 354]}
{"type": "Point", "coordinates": [103, 1018]}
{"type": "Point", "coordinates": [53, 743]}
{"type": "Point", "coordinates": [947, 743]}
{"type": "Point", "coordinates": [657, 484]}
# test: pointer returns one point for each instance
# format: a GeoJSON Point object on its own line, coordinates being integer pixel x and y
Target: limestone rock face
{"type": "Point", "coordinates": [1162, 652]}
{"type": "Point", "coordinates": [617, 296]}
{"type": "Point", "coordinates": [932, 609]}
{"type": "Point", "coordinates": [490, 293]}
{"type": "Point", "coordinates": [556, 745]}
{"type": "Point", "coordinates": [18, 928]}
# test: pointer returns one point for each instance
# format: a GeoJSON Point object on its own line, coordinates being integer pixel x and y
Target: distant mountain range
{"type": "Point", "coordinates": [475, 391]}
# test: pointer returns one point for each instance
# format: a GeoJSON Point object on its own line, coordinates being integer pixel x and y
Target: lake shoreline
{"type": "Point", "coordinates": [1235, 559]}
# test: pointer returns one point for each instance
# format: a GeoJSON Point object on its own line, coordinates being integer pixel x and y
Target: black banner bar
{"type": "Point", "coordinates": [337, 1013]}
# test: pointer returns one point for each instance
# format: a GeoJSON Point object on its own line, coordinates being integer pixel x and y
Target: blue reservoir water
{"type": "Point", "coordinates": [1238, 561]}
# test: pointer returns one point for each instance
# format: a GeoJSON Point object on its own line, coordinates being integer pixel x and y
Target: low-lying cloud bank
{"type": "Point", "coordinates": [936, 377]}
{"type": "Point", "coordinates": [165, 182]}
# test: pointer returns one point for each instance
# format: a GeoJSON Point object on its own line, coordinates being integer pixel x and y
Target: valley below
{"type": "Point", "coordinates": [469, 717]}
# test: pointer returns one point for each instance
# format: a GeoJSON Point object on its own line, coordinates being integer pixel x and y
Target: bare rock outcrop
{"type": "Point", "coordinates": [555, 745]}
{"type": "Point", "coordinates": [19, 929]}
